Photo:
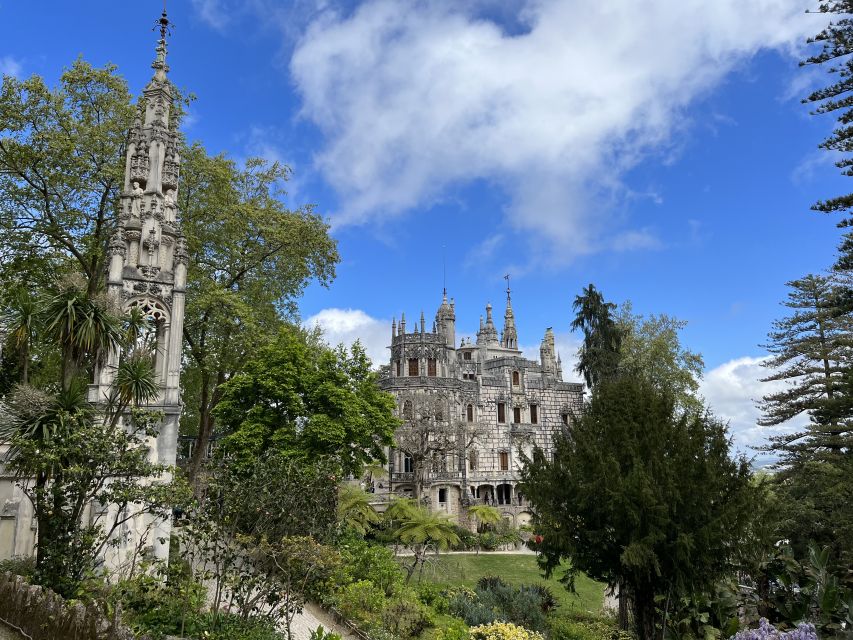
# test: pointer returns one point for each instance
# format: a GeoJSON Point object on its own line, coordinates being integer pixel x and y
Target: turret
{"type": "Point", "coordinates": [547, 353]}
{"type": "Point", "coordinates": [509, 336]}
{"type": "Point", "coordinates": [488, 334]}
{"type": "Point", "coordinates": [445, 320]}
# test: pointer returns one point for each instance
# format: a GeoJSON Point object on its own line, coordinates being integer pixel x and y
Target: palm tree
{"type": "Point", "coordinates": [354, 509]}
{"type": "Point", "coordinates": [485, 516]}
{"type": "Point", "coordinates": [83, 327]}
{"type": "Point", "coordinates": [422, 529]}
{"type": "Point", "coordinates": [20, 322]}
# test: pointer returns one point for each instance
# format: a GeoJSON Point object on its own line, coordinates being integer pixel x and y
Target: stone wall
{"type": "Point", "coordinates": [43, 615]}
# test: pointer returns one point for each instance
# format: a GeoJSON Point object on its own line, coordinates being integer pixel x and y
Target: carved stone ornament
{"type": "Point", "coordinates": [117, 244]}
{"type": "Point", "coordinates": [181, 255]}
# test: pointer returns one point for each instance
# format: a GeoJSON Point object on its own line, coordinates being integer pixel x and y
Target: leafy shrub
{"type": "Point", "coordinates": [361, 602]}
{"type": "Point", "coordinates": [503, 631]}
{"type": "Point", "coordinates": [455, 629]}
{"type": "Point", "coordinates": [365, 561]}
{"type": "Point", "coordinates": [24, 566]}
{"type": "Point", "coordinates": [489, 582]}
{"type": "Point", "coordinates": [467, 539]}
{"type": "Point", "coordinates": [434, 596]}
{"type": "Point", "coordinates": [233, 627]}
{"type": "Point", "coordinates": [546, 598]}
{"type": "Point", "coordinates": [321, 634]}
{"type": "Point", "coordinates": [468, 607]}
{"type": "Point", "coordinates": [495, 600]}
{"type": "Point", "coordinates": [767, 631]}
{"type": "Point", "coordinates": [586, 629]}
{"type": "Point", "coordinates": [405, 616]}
{"type": "Point", "coordinates": [158, 609]}
{"type": "Point", "coordinates": [489, 540]}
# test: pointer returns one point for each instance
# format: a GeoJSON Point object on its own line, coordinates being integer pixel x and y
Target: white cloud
{"type": "Point", "coordinates": [213, 12]}
{"type": "Point", "coordinates": [731, 391]}
{"type": "Point", "coordinates": [10, 66]}
{"type": "Point", "coordinates": [414, 98]}
{"type": "Point", "coordinates": [348, 325]}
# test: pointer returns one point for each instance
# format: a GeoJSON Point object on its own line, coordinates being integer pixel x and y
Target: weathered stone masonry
{"type": "Point", "coordinates": [495, 401]}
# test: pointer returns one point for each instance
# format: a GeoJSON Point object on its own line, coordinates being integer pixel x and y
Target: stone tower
{"type": "Point", "coordinates": [148, 260]}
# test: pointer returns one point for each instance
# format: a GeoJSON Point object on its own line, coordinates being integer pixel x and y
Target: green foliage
{"type": "Point", "coordinates": [250, 257]}
{"type": "Point", "coordinates": [809, 590]}
{"type": "Point", "coordinates": [24, 566]}
{"type": "Point", "coordinates": [404, 615]}
{"type": "Point", "coordinates": [585, 629]}
{"type": "Point", "coordinates": [599, 355]}
{"type": "Point", "coordinates": [362, 560]}
{"type": "Point", "coordinates": [651, 347]}
{"type": "Point", "coordinates": [676, 504]}
{"type": "Point", "coordinates": [61, 170]}
{"type": "Point", "coordinates": [454, 629]}
{"type": "Point", "coordinates": [303, 400]}
{"type": "Point", "coordinates": [354, 509]}
{"type": "Point", "coordinates": [321, 634]}
{"type": "Point", "coordinates": [494, 600]}
{"type": "Point", "coordinates": [362, 602]}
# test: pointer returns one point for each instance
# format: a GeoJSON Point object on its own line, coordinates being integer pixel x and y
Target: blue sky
{"type": "Point", "coordinates": [662, 156]}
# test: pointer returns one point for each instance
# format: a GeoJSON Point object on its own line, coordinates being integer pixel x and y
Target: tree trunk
{"type": "Point", "coordinates": [644, 613]}
{"type": "Point", "coordinates": [622, 598]}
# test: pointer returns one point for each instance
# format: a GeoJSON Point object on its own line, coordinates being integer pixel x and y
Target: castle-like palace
{"type": "Point", "coordinates": [468, 411]}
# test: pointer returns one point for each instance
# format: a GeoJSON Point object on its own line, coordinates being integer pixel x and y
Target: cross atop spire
{"type": "Point", "coordinates": [506, 277]}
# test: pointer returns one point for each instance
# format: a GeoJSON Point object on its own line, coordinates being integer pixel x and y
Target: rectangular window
{"type": "Point", "coordinates": [516, 415]}
{"type": "Point", "coordinates": [466, 355]}
{"type": "Point", "coordinates": [565, 418]}
{"type": "Point", "coordinates": [470, 413]}
{"type": "Point", "coordinates": [431, 367]}
{"type": "Point", "coordinates": [534, 414]}
{"type": "Point", "coordinates": [413, 366]}
{"type": "Point", "coordinates": [472, 460]}
{"type": "Point", "coordinates": [501, 412]}
{"type": "Point", "coordinates": [504, 461]}
{"type": "Point", "coordinates": [515, 379]}
{"type": "Point", "coordinates": [408, 467]}
{"type": "Point", "coordinates": [399, 368]}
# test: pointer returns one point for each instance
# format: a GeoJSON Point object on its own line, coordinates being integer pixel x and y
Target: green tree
{"type": "Point", "coordinates": [598, 356]}
{"type": "Point", "coordinates": [354, 509]}
{"type": "Point", "coordinates": [835, 48]}
{"type": "Point", "coordinates": [420, 530]}
{"type": "Point", "coordinates": [642, 496]}
{"type": "Point", "coordinates": [651, 347]}
{"type": "Point", "coordinates": [250, 258]}
{"type": "Point", "coordinates": [61, 170]}
{"type": "Point", "coordinates": [303, 399]}
{"type": "Point", "coordinates": [810, 349]}
{"type": "Point", "coordinates": [86, 468]}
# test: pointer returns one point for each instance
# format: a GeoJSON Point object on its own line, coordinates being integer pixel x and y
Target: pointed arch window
{"type": "Point", "coordinates": [469, 413]}
{"type": "Point", "coordinates": [516, 379]}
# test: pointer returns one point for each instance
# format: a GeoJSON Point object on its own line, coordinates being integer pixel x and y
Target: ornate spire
{"type": "Point", "coordinates": [509, 336]}
{"type": "Point", "coordinates": [488, 334]}
{"type": "Point", "coordinates": [159, 65]}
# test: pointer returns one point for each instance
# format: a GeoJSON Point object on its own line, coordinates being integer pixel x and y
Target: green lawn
{"type": "Point", "coordinates": [466, 569]}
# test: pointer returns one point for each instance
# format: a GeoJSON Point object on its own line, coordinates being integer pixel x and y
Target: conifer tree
{"type": "Point", "coordinates": [811, 351]}
{"type": "Point", "coordinates": [598, 356]}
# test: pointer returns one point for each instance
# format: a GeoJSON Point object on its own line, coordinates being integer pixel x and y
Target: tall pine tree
{"type": "Point", "coordinates": [810, 352]}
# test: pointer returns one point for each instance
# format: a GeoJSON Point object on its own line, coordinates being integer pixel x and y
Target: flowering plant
{"type": "Point", "coordinates": [766, 631]}
{"type": "Point", "coordinates": [503, 631]}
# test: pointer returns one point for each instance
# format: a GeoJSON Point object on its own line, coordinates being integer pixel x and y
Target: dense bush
{"type": "Point", "coordinates": [24, 566]}
{"type": "Point", "coordinates": [405, 616]}
{"type": "Point", "coordinates": [434, 595]}
{"type": "Point", "coordinates": [468, 540]}
{"type": "Point", "coordinates": [503, 631]}
{"type": "Point", "coordinates": [364, 561]}
{"type": "Point", "coordinates": [494, 600]}
{"type": "Point", "coordinates": [361, 602]}
{"type": "Point", "coordinates": [585, 629]}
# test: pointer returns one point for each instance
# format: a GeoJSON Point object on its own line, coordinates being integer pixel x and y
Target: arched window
{"type": "Point", "coordinates": [408, 466]}
{"type": "Point", "coordinates": [516, 415]}
{"type": "Point", "coordinates": [407, 410]}
{"type": "Point", "coordinates": [469, 412]}
{"type": "Point", "coordinates": [516, 379]}
{"type": "Point", "coordinates": [431, 369]}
